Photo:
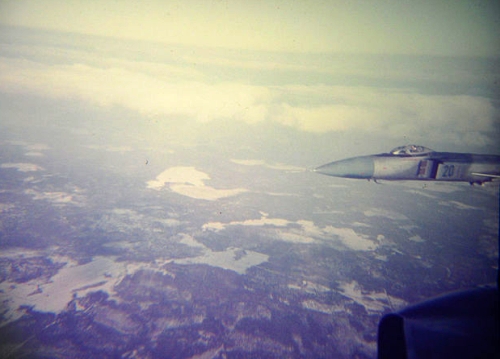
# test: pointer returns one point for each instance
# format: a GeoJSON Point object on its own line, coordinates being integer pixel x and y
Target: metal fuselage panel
{"type": "Point", "coordinates": [437, 166]}
{"type": "Point", "coordinates": [461, 166]}
{"type": "Point", "coordinates": [396, 167]}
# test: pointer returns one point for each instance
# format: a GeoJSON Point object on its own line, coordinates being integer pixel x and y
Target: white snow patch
{"type": "Point", "coordinates": [53, 296]}
{"type": "Point", "coordinates": [54, 197]}
{"type": "Point", "coordinates": [360, 224]}
{"type": "Point", "coordinates": [205, 192]}
{"type": "Point", "coordinates": [23, 167]}
{"type": "Point", "coordinates": [351, 239]}
{"type": "Point", "coordinates": [57, 198]}
{"type": "Point", "coordinates": [17, 253]}
{"type": "Point", "coordinates": [416, 238]}
{"type": "Point", "coordinates": [310, 287]}
{"type": "Point", "coordinates": [374, 302]}
{"type": "Point", "coordinates": [457, 204]}
{"type": "Point", "coordinates": [102, 274]}
{"type": "Point", "coordinates": [188, 181]}
{"type": "Point", "coordinates": [378, 212]}
{"type": "Point", "coordinates": [307, 231]}
{"type": "Point", "coordinates": [214, 226]}
{"type": "Point", "coordinates": [235, 259]}
{"type": "Point", "coordinates": [323, 308]}
{"type": "Point", "coordinates": [262, 221]}
{"type": "Point", "coordinates": [294, 236]}
{"type": "Point", "coordinates": [186, 175]}
{"type": "Point", "coordinates": [190, 241]}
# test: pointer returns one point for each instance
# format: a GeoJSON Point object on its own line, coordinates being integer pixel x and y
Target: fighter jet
{"type": "Point", "coordinates": [413, 162]}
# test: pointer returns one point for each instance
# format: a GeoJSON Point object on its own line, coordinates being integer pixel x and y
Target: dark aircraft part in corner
{"type": "Point", "coordinates": [458, 325]}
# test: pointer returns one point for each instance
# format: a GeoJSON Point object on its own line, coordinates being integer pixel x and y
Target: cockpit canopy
{"type": "Point", "coordinates": [411, 150]}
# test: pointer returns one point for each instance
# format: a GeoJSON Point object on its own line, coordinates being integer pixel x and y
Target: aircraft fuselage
{"type": "Point", "coordinates": [422, 164]}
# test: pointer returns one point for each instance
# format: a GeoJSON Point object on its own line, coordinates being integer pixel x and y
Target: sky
{"type": "Point", "coordinates": [331, 74]}
{"type": "Point", "coordinates": [442, 27]}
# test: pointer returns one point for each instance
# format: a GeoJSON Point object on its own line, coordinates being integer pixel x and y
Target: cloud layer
{"type": "Point", "coordinates": [306, 94]}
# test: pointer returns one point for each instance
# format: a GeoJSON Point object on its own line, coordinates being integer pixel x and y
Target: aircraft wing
{"type": "Point", "coordinates": [485, 175]}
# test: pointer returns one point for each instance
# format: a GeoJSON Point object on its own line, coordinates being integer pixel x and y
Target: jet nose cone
{"type": "Point", "coordinates": [357, 167]}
